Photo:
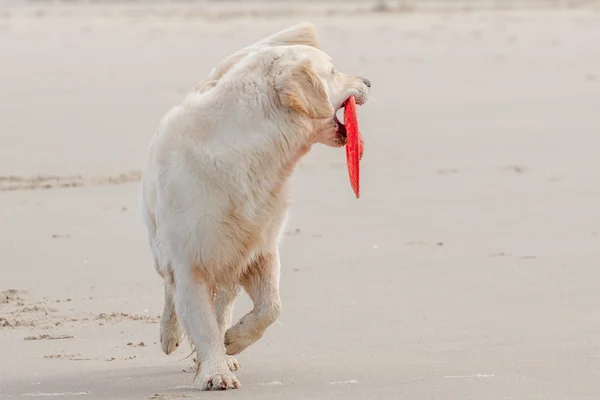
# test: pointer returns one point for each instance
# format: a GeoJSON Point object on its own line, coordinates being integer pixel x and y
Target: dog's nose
{"type": "Point", "coordinates": [367, 82]}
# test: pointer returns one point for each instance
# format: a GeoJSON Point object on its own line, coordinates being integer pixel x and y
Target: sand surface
{"type": "Point", "coordinates": [469, 268]}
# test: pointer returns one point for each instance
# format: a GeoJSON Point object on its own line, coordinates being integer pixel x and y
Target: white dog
{"type": "Point", "coordinates": [215, 191]}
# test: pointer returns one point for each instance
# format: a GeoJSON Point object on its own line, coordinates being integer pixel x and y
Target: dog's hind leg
{"type": "Point", "coordinates": [170, 330]}
{"type": "Point", "coordinates": [261, 282]}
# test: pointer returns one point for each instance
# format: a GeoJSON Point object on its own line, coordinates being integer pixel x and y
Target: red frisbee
{"type": "Point", "coordinates": [354, 144]}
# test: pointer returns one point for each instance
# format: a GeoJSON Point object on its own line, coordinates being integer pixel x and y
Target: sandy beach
{"type": "Point", "coordinates": [468, 269]}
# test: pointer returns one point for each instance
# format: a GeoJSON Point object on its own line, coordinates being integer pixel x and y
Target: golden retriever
{"type": "Point", "coordinates": [215, 190]}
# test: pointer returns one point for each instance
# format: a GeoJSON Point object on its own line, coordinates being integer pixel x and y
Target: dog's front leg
{"type": "Point", "coordinates": [224, 300]}
{"type": "Point", "coordinates": [195, 308]}
{"type": "Point", "coordinates": [261, 282]}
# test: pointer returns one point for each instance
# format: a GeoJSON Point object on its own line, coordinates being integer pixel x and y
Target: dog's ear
{"type": "Point", "coordinates": [300, 90]}
{"type": "Point", "coordinates": [304, 33]}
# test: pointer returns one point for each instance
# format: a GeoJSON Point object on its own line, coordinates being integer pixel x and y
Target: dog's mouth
{"type": "Point", "coordinates": [342, 133]}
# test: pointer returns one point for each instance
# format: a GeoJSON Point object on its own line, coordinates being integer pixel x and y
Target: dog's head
{"type": "Point", "coordinates": [310, 88]}
{"type": "Point", "coordinates": [302, 80]}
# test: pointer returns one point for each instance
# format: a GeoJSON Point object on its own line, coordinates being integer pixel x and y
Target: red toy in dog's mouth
{"type": "Point", "coordinates": [343, 133]}
{"type": "Point", "coordinates": [354, 142]}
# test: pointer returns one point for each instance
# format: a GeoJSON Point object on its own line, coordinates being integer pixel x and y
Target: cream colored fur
{"type": "Point", "coordinates": [215, 191]}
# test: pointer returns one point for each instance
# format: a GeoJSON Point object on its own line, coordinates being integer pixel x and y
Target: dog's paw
{"type": "Point", "coordinates": [236, 340]}
{"type": "Point", "coordinates": [170, 337]}
{"type": "Point", "coordinates": [232, 363]}
{"type": "Point", "coordinates": [221, 380]}
{"type": "Point", "coordinates": [169, 343]}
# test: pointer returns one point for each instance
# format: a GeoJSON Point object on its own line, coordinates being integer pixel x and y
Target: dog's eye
{"type": "Point", "coordinates": [332, 71]}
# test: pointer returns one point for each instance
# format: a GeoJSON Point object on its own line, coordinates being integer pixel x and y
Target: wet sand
{"type": "Point", "coordinates": [467, 270]}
